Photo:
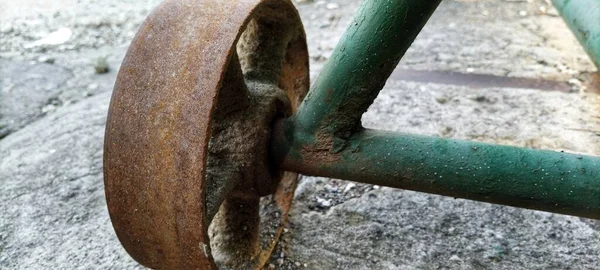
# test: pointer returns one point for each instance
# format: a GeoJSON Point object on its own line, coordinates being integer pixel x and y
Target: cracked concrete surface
{"type": "Point", "coordinates": [28, 91]}
{"type": "Point", "coordinates": [53, 210]}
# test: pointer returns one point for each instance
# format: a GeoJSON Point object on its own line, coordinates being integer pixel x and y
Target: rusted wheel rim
{"type": "Point", "coordinates": [180, 68]}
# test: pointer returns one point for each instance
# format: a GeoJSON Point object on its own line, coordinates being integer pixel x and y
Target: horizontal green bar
{"type": "Point", "coordinates": [543, 180]}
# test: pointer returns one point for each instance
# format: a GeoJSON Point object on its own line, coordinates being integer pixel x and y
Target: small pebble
{"type": "Point", "coordinates": [576, 84]}
{"type": "Point", "coordinates": [100, 65]}
{"type": "Point", "coordinates": [46, 59]}
{"type": "Point", "coordinates": [455, 258]}
{"type": "Point", "coordinates": [48, 108]}
{"type": "Point", "coordinates": [349, 187]}
{"type": "Point", "coordinates": [479, 98]}
{"type": "Point", "coordinates": [57, 37]}
{"type": "Point", "coordinates": [332, 6]}
{"type": "Point", "coordinates": [553, 12]}
{"type": "Point", "coordinates": [446, 130]}
{"type": "Point", "coordinates": [323, 202]}
{"type": "Point", "coordinates": [93, 86]}
{"type": "Point", "coordinates": [441, 99]}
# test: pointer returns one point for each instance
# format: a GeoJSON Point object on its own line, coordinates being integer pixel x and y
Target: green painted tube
{"type": "Point", "coordinates": [543, 180]}
{"type": "Point", "coordinates": [359, 66]}
{"type": "Point", "coordinates": [583, 18]}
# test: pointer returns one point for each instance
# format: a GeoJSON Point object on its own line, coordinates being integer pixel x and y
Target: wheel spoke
{"type": "Point", "coordinates": [234, 232]}
{"type": "Point", "coordinates": [263, 45]}
{"type": "Point", "coordinates": [221, 174]}
{"type": "Point", "coordinates": [186, 144]}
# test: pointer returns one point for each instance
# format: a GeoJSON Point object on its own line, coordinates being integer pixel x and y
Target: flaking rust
{"type": "Point", "coordinates": [188, 130]}
{"type": "Point", "coordinates": [322, 150]}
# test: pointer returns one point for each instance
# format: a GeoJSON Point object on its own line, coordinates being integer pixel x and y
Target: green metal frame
{"type": "Point", "coordinates": [583, 18]}
{"type": "Point", "coordinates": [325, 136]}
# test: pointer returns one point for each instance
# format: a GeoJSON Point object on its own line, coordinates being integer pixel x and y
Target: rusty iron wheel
{"type": "Point", "coordinates": [186, 169]}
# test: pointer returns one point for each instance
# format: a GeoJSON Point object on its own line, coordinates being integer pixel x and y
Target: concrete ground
{"type": "Point", "coordinates": [53, 108]}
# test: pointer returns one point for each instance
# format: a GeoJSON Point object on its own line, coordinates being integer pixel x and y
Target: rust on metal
{"type": "Point", "coordinates": [323, 150]}
{"type": "Point", "coordinates": [591, 81]}
{"type": "Point", "coordinates": [176, 87]}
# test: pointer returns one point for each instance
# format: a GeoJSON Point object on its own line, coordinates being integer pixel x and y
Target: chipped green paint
{"type": "Point", "coordinates": [366, 55]}
{"type": "Point", "coordinates": [325, 138]}
{"type": "Point", "coordinates": [543, 180]}
{"type": "Point", "coordinates": [583, 17]}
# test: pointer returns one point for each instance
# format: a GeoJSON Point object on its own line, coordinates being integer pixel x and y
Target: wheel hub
{"type": "Point", "coordinates": [187, 174]}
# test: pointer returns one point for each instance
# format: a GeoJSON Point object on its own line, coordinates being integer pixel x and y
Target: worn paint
{"type": "Point", "coordinates": [542, 180]}
{"type": "Point", "coordinates": [583, 18]}
{"type": "Point", "coordinates": [366, 55]}
{"type": "Point", "coordinates": [325, 137]}
{"type": "Point", "coordinates": [168, 122]}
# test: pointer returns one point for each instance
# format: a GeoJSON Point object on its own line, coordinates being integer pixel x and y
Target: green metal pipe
{"type": "Point", "coordinates": [367, 53]}
{"type": "Point", "coordinates": [325, 138]}
{"type": "Point", "coordinates": [543, 180]}
{"type": "Point", "coordinates": [583, 17]}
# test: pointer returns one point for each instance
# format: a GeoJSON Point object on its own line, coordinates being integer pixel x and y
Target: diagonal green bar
{"type": "Point", "coordinates": [543, 180]}
{"type": "Point", "coordinates": [366, 55]}
{"type": "Point", "coordinates": [583, 17]}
